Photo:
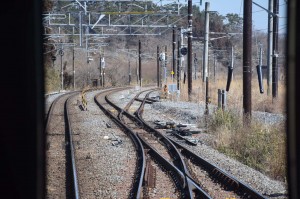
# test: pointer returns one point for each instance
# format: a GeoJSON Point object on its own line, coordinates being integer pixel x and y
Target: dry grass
{"type": "Point", "coordinates": [259, 146]}
{"type": "Point", "coordinates": [52, 80]}
{"type": "Point", "coordinates": [260, 102]}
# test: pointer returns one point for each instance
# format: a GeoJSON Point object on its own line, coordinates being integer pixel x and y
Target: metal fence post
{"type": "Point", "coordinates": [219, 98]}
{"type": "Point", "coordinates": [224, 98]}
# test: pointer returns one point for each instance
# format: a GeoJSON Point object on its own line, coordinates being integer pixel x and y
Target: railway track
{"type": "Point", "coordinates": [163, 168]}
{"type": "Point", "coordinates": [183, 182]}
{"type": "Point", "coordinates": [207, 174]}
{"type": "Point", "coordinates": [64, 117]}
{"type": "Point", "coordinates": [136, 190]}
{"type": "Point", "coordinates": [63, 171]}
{"type": "Point", "coordinates": [157, 151]}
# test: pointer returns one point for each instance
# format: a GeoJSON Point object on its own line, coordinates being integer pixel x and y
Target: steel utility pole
{"type": "Point", "coordinates": [247, 57]}
{"type": "Point", "coordinates": [103, 77]}
{"type": "Point", "coordinates": [103, 72]}
{"type": "Point", "coordinates": [140, 64]}
{"type": "Point", "coordinates": [137, 68]}
{"type": "Point", "coordinates": [214, 67]}
{"type": "Point", "coordinates": [195, 66]}
{"type": "Point", "coordinates": [80, 29]}
{"type": "Point", "coordinates": [61, 73]}
{"type": "Point", "coordinates": [270, 46]}
{"type": "Point", "coordinates": [129, 69]}
{"type": "Point", "coordinates": [206, 98]}
{"type": "Point", "coordinates": [100, 70]}
{"type": "Point", "coordinates": [178, 64]}
{"type": "Point", "coordinates": [190, 52]}
{"type": "Point", "coordinates": [275, 51]}
{"type": "Point", "coordinates": [158, 68]}
{"type": "Point", "coordinates": [165, 65]}
{"type": "Point", "coordinates": [232, 58]}
{"type": "Point", "coordinates": [74, 68]}
{"type": "Point", "coordinates": [260, 55]}
{"type": "Point", "coordinates": [61, 53]}
{"type": "Point", "coordinates": [206, 39]}
{"type": "Point", "coordinates": [173, 53]}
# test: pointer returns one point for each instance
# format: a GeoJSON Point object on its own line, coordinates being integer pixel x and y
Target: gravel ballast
{"type": "Point", "coordinates": [103, 170]}
{"type": "Point", "coordinates": [190, 113]}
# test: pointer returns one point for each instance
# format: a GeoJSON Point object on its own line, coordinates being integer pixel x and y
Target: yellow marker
{"type": "Point", "coordinates": [172, 73]}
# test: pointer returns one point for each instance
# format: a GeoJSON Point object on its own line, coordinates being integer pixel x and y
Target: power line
{"type": "Point", "coordinates": [283, 28]}
{"type": "Point", "coordinates": [258, 11]}
{"type": "Point", "coordinates": [262, 29]}
{"type": "Point", "coordinates": [241, 7]}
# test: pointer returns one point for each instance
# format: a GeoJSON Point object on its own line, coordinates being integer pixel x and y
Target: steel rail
{"type": "Point", "coordinates": [50, 111]}
{"type": "Point", "coordinates": [177, 174]}
{"type": "Point", "coordinates": [136, 190]}
{"type": "Point", "coordinates": [223, 177]}
{"type": "Point", "coordinates": [139, 115]}
{"type": "Point", "coordinates": [192, 185]}
{"type": "Point", "coordinates": [178, 161]}
{"type": "Point", "coordinates": [73, 192]}
{"type": "Point", "coordinates": [180, 183]}
{"type": "Point", "coordinates": [120, 116]}
{"type": "Point", "coordinates": [183, 138]}
{"type": "Point", "coordinates": [219, 174]}
{"type": "Point", "coordinates": [189, 185]}
{"type": "Point", "coordinates": [70, 154]}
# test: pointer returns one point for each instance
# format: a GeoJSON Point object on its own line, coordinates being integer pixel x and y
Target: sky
{"type": "Point", "coordinates": [259, 16]}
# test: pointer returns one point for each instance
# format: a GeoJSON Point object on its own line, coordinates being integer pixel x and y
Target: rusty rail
{"type": "Point", "coordinates": [187, 186]}
{"type": "Point", "coordinates": [72, 188]}
{"type": "Point", "coordinates": [140, 168]}
{"type": "Point", "coordinates": [217, 173]}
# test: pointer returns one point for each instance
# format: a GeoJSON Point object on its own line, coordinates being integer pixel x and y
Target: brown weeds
{"type": "Point", "coordinates": [259, 146]}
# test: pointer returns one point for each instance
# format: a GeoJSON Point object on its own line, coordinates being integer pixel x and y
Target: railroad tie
{"type": "Point", "coordinates": [227, 182]}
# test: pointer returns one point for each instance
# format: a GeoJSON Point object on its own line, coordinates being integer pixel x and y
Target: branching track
{"type": "Point", "coordinates": [177, 169]}
{"type": "Point", "coordinates": [162, 162]}
{"type": "Point", "coordinates": [228, 182]}
{"type": "Point", "coordinates": [136, 190]}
